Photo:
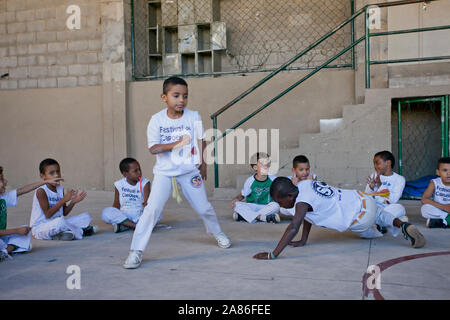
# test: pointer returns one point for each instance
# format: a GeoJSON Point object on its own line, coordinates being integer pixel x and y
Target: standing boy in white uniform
{"type": "Point", "coordinates": [48, 216]}
{"type": "Point", "coordinates": [436, 198]}
{"type": "Point", "coordinates": [172, 136]}
{"type": "Point", "coordinates": [17, 239]}
{"type": "Point", "coordinates": [258, 205]}
{"type": "Point", "coordinates": [301, 170]}
{"type": "Point", "coordinates": [130, 197]}
{"type": "Point", "coordinates": [384, 178]}
{"type": "Point", "coordinates": [322, 205]}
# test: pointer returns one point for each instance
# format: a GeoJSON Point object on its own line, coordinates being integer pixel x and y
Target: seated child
{"type": "Point", "coordinates": [436, 198]}
{"type": "Point", "coordinates": [131, 195]}
{"type": "Point", "coordinates": [384, 178]}
{"type": "Point", "coordinates": [258, 205]}
{"type": "Point", "coordinates": [300, 171]}
{"type": "Point", "coordinates": [317, 203]}
{"type": "Point", "coordinates": [50, 208]}
{"type": "Point", "coordinates": [17, 239]}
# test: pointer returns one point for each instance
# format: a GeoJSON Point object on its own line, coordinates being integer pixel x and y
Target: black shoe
{"type": "Point", "coordinates": [89, 231]}
{"type": "Point", "coordinates": [382, 229]}
{"type": "Point", "coordinates": [435, 223]}
{"type": "Point", "coordinates": [273, 218]}
{"type": "Point", "coordinates": [120, 228]}
{"type": "Point", "coordinates": [411, 233]}
{"type": "Point", "coordinates": [237, 217]}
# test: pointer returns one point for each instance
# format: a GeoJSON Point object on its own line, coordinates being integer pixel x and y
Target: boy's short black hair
{"type": "Point", "coordinates": [259, 155]}
{"type": "Point", "coordinates": [172, 81]}
{"type": "Point", "coordinates": [124, 165]}
{"type": "Point", "coordinates": [45, 163]}
{"type": "Point", "coordinates": [299, 159]}
{"type": "Point", "coordinates": [386, 155]}
{"type": "Point", "coordinates": [445, 160]}
{"type": "Point", "coordinates": [281, 187]}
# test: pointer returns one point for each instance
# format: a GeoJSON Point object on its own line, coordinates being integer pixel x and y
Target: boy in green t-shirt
{"type": "Point", "coordinates": [257, 204]}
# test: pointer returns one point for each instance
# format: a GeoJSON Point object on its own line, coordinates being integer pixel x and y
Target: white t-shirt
{"type": "Point", "coordinates": [441, 192]}
{"type": "Point", "coordinates": [163, 130]}
{"type": "Point", "coordinates": [332, 208]}
{"type": "Point", "coordinates": [394, 183]}
{"type": "Point", "coordinates": [10, 198]}
{"type": "Point", "coordinates": [37, 215]}
{"type": "Point", "coordinates": [131, 197]}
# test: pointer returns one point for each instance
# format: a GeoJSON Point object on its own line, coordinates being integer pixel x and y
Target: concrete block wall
{"type": "Point", "coordinates": [37, 49]}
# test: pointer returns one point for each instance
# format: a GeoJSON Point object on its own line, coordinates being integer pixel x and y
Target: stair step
{"type": "Point", "coordinates": [330, 125]}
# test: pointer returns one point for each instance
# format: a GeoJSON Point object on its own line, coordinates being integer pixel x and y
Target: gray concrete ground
{"type": "Point", "coordinates": [185, 263]}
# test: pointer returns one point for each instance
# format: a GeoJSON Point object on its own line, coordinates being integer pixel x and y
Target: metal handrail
{"type": "Point", "coordinates": [366, 38]}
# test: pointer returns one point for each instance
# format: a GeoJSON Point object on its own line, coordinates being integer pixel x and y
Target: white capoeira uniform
{"type": "Point", "coordinates": [291, 211]}
{"type": "Point", "coordinates": [395, 184]}
{"type": "Point", "coordinates": [131, 200]}
{"type": "Point", "coordinates": [9, 199]}
{"type": "Point", "coordinates": [180, 163]}
{"type": "Point", "coordinates": [258, 192]}
{"type": "Point", "coordinates": [441, 195]}
{"type": "Point", "coordinates": [45, 229]}
{"type": "Point", "coordinates": [340, 209]}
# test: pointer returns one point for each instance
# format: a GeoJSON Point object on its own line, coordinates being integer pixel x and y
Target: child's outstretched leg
{"type": "Point", "coordinates": [119, 220]}
{"type": "Point", "coordinates": [388, 214]}
{"type": "Point", "coordinates": [194, 191]}
{"type": "Point", "coordinates": [410, 232]}
{"type": "Point", "coordinates": [161, 190]}
{"type": "Point", "coordinates": [436, 218]}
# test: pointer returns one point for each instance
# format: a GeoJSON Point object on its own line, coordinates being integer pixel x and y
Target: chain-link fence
{"type": "Point", "coordinates": [204, 37]}
{"type": "Point", "coordinates": [421, 138]}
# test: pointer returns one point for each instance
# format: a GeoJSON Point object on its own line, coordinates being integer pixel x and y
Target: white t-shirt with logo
{"type": "Point", "coordinates": [163, 130]}
{"type": "Point", "coordinates": [394, 183]}
{"type": "Point", "coordinates": [37, 215]}
{"type": "Point", "coordinates": [131, 197]}
{"type": "Point", "coordinates": [441, 192]}
{"type": "Point", "coordinates": [332, 207]}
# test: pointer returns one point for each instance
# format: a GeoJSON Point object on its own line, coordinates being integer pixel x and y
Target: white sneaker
{"type": "Point", "coordinates": [134, 259]}
{"type": "Point", "coordinates": [222, 240]}
{"type": "Point", "coordinates": [371, 233]}
{"type": "Point", "coordinates": [404, 219]}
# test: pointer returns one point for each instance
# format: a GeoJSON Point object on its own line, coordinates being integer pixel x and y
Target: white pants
{"type": "Point", "coordinates": [76, 224]}
{"type": "Point", "coordinates": [22, 242]}
{"type": "Point", "coordinates": [194, 191]}
{"type": "Point", "coordinates": [113, 215]}
{"type": "Point", "coordinates": [431, 212]}
{"type": "Point", "coordinates": [250, 211]}
{"type": "Point", "coordinates": [377, 215]}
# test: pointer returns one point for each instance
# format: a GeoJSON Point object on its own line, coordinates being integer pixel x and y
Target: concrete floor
{"type": "Point", "coordinates": [185, 263]}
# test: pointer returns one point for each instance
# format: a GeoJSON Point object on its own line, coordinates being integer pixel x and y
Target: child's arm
{"type": "Point", "coordinates": [74, 199]}
{"type": "Point", "coordinates": [291, 231]}
{"type": "Point", "coordinates": [146, 193]}
{"type": "Point", "coordinates": [116, 203]}
{"type": "Point", "coordinates": [239, 197]}
{"type": "Point", "coordinates": [427, 198]}
{"type": "Point", "coordinates": [30, 187]}
{"type": "Point", "coordinates": [23, 231]}
{"type": "Point", "coordinates": [160, 148]}
{"type": "Point", "coordinates": [305, 234]}
{"type": "Point", "coordinates": [396, 193]}
{"type": "Point", "coordinates": [43, 202]}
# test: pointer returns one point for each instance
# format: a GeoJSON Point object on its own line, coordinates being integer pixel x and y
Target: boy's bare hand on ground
{"type": "Point", "coordinates": [299, 243]}
{"type": "Point", "coordinates": [262, 256]}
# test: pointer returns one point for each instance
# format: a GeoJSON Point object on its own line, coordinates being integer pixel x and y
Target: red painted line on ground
{"type": "Point", "coordinates": [389, 263]}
